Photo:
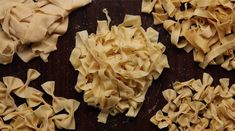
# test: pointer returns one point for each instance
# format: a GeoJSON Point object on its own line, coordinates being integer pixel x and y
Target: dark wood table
{"type": "Point", "coordinates": [60, 70]}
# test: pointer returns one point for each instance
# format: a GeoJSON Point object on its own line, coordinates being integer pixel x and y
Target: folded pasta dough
{"type": "Point", "coordinates": [36, 113]}
{"type": "Point", "coordinates": [31, 28]}
{"type": "Point", "coordinates": [117, 66]}
{"type": "Point", "coordinates": [205, 27]}
{"type": "Point", "coordinates": [197, 105]}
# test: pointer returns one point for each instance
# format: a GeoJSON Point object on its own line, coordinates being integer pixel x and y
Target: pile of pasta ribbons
{"type": "Point", "coordinates": [31, 28]}
{"type": "Point", "coordinates": [117, 66]}
{"type": "Point", "coordinates": [205, 27]}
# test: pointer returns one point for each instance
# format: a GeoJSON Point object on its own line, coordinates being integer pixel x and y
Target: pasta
{"type": "Point", "coordinates": [36, 113]}
{"type": "Point", "coordinates": [197, 105]}
{"type": "Point", "coordinates": [205, 27]}
{"type": "Point", "coordinates": [31, 28]}
{"type": "Point", "coordinates": [117, 66]}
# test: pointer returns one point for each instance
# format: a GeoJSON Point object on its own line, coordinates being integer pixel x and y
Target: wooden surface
{"type": "Point", "coordinates": [60, 70]}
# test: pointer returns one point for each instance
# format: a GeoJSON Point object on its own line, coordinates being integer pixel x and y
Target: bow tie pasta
{"type": "Point", "coordinates": [31, 28]}
{"type": "Point", "coordinates": [196, 105]}
{"type": "Point", "coordinates": [36, 114]}
{"type": "Point", "coordinates": [205, 27]}
{"type": "Point", "coordinates": [117, 66]}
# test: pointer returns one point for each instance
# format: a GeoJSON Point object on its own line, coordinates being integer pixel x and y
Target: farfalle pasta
{"type": "Point", "coordinates": [205, 27]}
{"type": "Point", "coordinates": [117, 66]}
{"type": "Point", "coordinates": [196, 105]}
{"type": "Point", "coordinates": [31, 28]}
{"type": "Point", "coordinates": [36, 113]}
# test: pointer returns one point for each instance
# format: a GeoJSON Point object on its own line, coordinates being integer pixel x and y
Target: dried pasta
{"type": "Point", "coordinates": [117, 66]}
{"type": "Point", "coordinates": [196, 105]}
{"type": "Point", "coordinates": [35, 114]}
{"type": "Point", "coordinates": [205, 27]}
{"type": "Point", "coordinates": [31, 28]}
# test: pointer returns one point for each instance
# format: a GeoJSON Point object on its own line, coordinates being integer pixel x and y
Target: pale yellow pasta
{"type": "Point", "coordinates": [117, 66]}
{"type": "Point", "coordinates": [205, 27]}
{"type": "Point", "coordinates": [196, 105]}
{"type": "Point", "coordinates": [31, 28]}
{"type": "Point", "coordinates": [36, 113]}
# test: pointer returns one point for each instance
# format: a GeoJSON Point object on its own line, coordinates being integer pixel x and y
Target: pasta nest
{"type": "Point", "coordinates": [117, 66]}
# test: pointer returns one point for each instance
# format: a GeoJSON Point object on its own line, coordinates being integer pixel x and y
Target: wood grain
{"type": "Point", "coordinates": [60, 70]}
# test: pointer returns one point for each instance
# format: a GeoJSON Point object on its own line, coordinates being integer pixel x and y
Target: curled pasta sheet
{"type": "Point", "coordinates": [117, 66]}
{"type": "Point", "coordinates": [205, 27]}
{"type": "Point", "coordinates": [36, 113]}
{"type": "Point", "coordinates": [31, 28]}
{"type": "Point", "coordinates": [196, 105]}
